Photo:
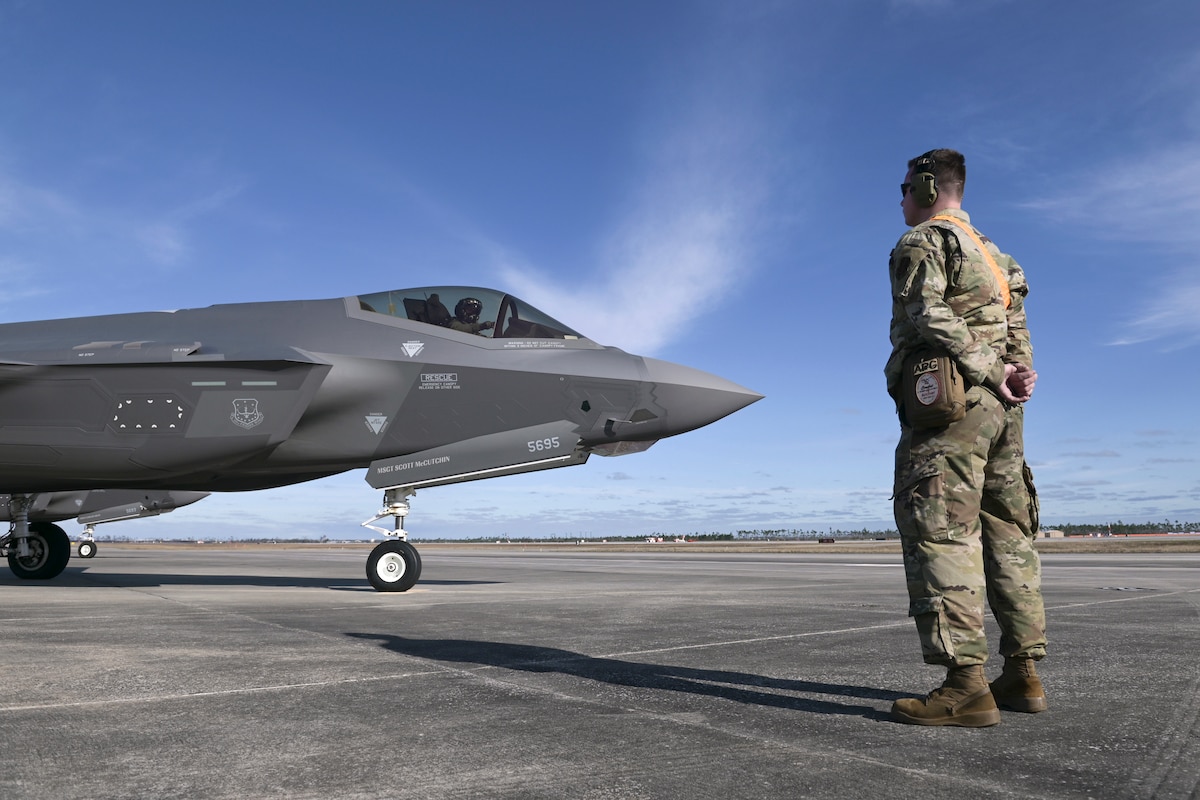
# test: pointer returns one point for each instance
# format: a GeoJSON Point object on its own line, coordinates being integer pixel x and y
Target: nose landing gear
{"type": "Point", "coordinates": [87, 546]}
{"type": "Point", "coordinates": [395, 565]}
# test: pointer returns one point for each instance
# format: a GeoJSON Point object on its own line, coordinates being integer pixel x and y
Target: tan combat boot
{"type": "Point", "coordinates": [1018, 688]}
{"type": "Point", "coordinates": [964, 699]}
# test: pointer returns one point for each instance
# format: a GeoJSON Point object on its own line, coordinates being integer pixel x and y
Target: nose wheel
{"type": "Point", "coordinates": [87, 546]}
{"type": "Point", "coordinates": [394, 565]}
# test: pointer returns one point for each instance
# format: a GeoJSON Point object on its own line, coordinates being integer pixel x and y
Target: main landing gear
{"type": "Point", "coordinates": [395, 565]}
{"type": "Point", "coordinates": [36, 551]}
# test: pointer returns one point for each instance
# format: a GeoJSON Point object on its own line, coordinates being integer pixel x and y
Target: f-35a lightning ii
{"type": "Point", "coordinates": [130, 415]}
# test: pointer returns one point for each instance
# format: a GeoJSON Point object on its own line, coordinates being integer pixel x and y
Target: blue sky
{"type": "Point", "coordinates": [712, 183]}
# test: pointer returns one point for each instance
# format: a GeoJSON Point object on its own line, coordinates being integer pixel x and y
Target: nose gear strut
{"type": "Point", "coordinates": [394, 565]}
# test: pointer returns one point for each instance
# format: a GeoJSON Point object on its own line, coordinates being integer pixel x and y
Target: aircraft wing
{"type": "Point", "coordinates": [95, 506]}
{"type": "Point", "coordinates": [115, 505]}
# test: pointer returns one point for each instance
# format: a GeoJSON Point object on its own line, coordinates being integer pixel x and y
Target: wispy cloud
{"type": "Point", "coordinates": [40, 219]}
{"type": "Point", "coordinates": [1170, 316]}
{"type": "Point", "coordinates": [688, 228]}
{"type": "Point", "coordinates": [19, 280]}
{"type": "Point", "coordinates": [26, 209]}
{"type": "Point", "coordinates": [164, 239]}
{"type": "Point", "coordinates": [683, 243]}
{"type": "Point", "coordinates": [1154, 200]}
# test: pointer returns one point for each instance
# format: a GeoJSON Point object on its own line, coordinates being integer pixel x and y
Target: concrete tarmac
{"type": "Point", "coordinates": [509, 673]}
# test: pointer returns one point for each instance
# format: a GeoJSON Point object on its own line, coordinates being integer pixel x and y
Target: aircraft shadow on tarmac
{"type": "Point", "coordinates": [140, 580]}
{"type": "Point", "coordinates": [739, 687]}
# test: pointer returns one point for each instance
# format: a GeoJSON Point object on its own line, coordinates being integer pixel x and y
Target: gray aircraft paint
{"type": "Point", "coordinates": [258, 395]}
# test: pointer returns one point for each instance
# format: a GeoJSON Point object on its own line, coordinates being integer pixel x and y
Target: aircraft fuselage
{"type": "Point", "coordinates": [249, 396]}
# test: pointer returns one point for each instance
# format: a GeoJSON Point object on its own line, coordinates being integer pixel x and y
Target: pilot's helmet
{"type": "Point", "coordinates": [468, 309]}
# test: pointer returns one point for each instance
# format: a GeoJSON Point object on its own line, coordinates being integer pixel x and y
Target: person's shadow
{"type": "Point", "coordinates": [736, 686]}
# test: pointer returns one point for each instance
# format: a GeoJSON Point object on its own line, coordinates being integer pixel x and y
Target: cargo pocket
{"type": "Point", "coordinates": [920, 499]}
{"type": "Point", "coordinates": [1034, 505]}
{"type": "Point", "coordinates": [937, 646]}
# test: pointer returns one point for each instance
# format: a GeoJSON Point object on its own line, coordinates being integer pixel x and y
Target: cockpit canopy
{"type": "Point", "coordinates": [469, 309]}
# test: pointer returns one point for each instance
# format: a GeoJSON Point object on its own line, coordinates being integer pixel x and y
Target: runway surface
{"type": "Point", "coordinates": [514, 674]}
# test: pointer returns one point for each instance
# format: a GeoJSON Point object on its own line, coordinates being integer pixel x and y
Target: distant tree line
{"type": "Point", "coordinates": [1117, 528]}
{"type": "Point", "coordinates": [795, 534]}
{"type": "Point", "coordinates": [1120, 528]}
{"type": "Point", "coordinates": [641, 537]}
{"type": "Point", "coordinates": [771, 535]}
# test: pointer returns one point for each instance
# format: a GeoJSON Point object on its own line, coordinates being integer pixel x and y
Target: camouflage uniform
{"type": "Point", "coordinates": [1010, 508]}
{"type": "Point", "coordinates": [963, 495]}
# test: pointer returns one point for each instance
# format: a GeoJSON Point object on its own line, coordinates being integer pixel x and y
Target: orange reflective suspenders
{"type": "Point", "coordinates": [1001, 279]}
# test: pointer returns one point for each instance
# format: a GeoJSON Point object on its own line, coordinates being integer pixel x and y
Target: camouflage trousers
{"type": "Point", "coordinates": [966, 509]}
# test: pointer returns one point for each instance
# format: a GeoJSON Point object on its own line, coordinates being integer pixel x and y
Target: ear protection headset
{"type": "Point", "coordinates": [924, 184]}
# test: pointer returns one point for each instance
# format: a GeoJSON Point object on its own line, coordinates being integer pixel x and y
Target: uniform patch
{"type": "Point", "coordinates": [928, 389]}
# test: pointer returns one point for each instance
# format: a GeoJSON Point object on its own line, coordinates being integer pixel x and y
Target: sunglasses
{"type": "Point", "coordinates": [904, 187]}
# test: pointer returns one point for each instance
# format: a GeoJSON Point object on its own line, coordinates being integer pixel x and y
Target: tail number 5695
{"type": "Point", "coordinates": [541, 445]}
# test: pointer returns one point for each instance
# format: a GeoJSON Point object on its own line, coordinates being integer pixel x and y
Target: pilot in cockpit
{"type": "Point", "coordinates": [466, 316]}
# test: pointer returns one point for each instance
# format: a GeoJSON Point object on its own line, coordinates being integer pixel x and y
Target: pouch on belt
{"type": "Point", "coordinates": [935, 394]}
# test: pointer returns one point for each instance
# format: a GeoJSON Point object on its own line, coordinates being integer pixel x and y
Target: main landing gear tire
{"type": "Point", "coordinates": [87, 549]}
{"type": "Point", "coordinates": [49, 552]}
{"type": "Point", "coordinates": [394, 567]}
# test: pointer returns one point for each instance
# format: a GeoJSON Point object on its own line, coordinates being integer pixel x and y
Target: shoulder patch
{"type": "Point", "coordinates": [929, 230]}
{"type": "Point", "coordinates": [919, 239]}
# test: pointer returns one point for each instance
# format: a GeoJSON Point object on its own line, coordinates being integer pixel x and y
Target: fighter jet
{"type": "Point", "coordinates": [113, 417]}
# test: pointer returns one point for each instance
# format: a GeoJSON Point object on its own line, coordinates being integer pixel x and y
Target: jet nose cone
{"type": "Point", "coordinates": [692, 398]}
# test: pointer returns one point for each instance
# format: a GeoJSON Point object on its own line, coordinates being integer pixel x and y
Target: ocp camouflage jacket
{"type": "Point", "coordinates": [945, 294]}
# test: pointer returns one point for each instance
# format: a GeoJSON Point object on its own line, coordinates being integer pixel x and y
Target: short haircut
{"type": "Point", "coordinates": [949, 168]}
